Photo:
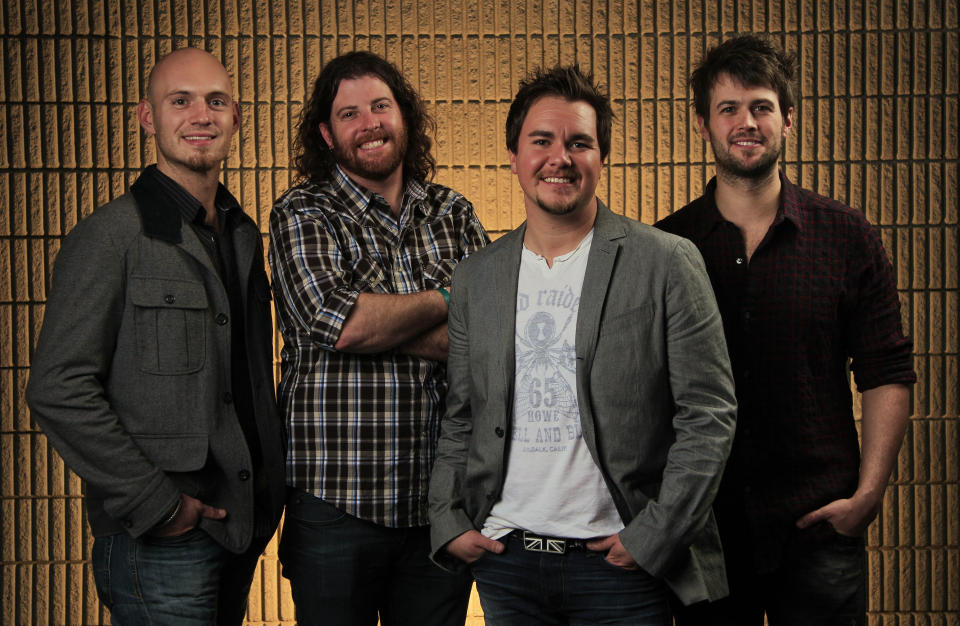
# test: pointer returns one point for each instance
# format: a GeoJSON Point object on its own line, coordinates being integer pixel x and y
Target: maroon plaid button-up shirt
{"type": "Point", "coordinates": [818, 294]}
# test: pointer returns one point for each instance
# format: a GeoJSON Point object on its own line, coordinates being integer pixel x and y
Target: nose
{"type": "Point", "coordinates": [199, 112]}
{"type": "Point", "coordinates": [370, 121]}
{"type": "Point", "coordinates": [747, 119]}
{"type": "Point", "coordinates": [559, 155]}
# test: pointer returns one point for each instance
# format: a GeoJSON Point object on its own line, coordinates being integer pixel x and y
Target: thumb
{"type": "Point", "coordinates": [600, 545]}
{"type": "Point", "coordinates": [212, 512]}
{"type": "Point", "coordinates": [491, 545]}
{"type": "Point", "coordinates": [812, 518]}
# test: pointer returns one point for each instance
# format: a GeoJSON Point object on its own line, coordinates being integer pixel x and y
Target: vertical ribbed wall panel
{"type": "Point", "coordinates": [878, 117]}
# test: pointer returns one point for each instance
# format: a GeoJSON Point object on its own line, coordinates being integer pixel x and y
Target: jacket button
{"type": "Point", "coordinates": [128, 523]}
{"type": "Point", "coordinates": [227, 397]}
{"type": "Point", "coordinates": [169, 298]}
{"type": "Point", "coordinates": [221, 319]}
{"type": "Point", "coordinates": [498, 431]}
{"type": "Point", "coordinates": [244, 475]}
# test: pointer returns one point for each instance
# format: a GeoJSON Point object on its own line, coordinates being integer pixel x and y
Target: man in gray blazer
{"type": "Point", "coordinates": [152, 376]}
{"type": "Point", "coordinates": [591, 407]}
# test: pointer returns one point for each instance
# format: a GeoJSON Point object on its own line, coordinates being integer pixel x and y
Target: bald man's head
{"type": "Point", "coordinates": [190, 111]}
{"type": "Point", "coordinates": [176, 61]}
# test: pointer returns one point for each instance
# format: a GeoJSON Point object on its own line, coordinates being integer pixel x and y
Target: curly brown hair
{"type": "Point", "coordinates": [314, 158]}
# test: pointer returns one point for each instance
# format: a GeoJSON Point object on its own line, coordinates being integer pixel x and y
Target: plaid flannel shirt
{"type": "Point", "coordinates": [362, 428]}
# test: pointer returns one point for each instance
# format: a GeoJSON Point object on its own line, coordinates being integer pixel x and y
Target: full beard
{"type": "Point", "coordinates": [762, 168]}
{"type": "Point", "coordinates": [350, 159]}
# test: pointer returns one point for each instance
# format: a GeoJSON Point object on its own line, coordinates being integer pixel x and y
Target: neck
{"type": "Point", "coordinates": [200, 185]}
{"type": "Point", "coordinates": [552, 235]}
{"type": "Point", "coordinates": [389, 188]}
{"type": "Point", "coordinates": [745, 200]}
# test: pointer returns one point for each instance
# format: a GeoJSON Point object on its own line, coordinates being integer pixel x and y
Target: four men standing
{"type": "Point", "coordinates": [591, 404]}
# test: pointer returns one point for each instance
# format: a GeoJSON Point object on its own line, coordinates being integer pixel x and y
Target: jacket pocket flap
{"type": "Point", "coordinates": [174, 453]}
{"type": "Point", "coordinates": [167, 293]}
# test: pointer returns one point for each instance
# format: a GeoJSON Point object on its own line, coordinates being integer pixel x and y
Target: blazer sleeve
{"type": "Point", "coordinates": [70, 366]}
{"type": "Point", "coordinates": [704, 418]}
{"type": "Point", "coordinates": [448, 517]}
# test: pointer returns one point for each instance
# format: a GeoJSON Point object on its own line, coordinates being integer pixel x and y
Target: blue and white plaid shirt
{"type": "Point", "coordinates": [361, 428]}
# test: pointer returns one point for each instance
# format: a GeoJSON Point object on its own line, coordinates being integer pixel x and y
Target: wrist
{"type": "Point", "coordinates": [172, 515]}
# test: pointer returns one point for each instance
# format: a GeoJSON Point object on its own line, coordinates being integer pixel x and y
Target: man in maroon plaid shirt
{"type": "Point", "coordinates": [805, 289]}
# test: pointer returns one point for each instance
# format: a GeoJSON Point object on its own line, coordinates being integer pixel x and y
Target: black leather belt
{"type": "Point", "coordinates": [549, 545]}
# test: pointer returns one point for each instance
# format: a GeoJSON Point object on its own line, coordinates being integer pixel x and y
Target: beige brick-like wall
{"type": "Point", "coordinates": [878, 128]}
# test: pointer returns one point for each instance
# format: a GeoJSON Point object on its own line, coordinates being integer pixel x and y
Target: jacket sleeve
{"type": "Point", "coordinates": [448, 518]}
{"type": "Point", "coordinates": [70, 366]}
{"type": "Point", "coordinates": [701, 383]}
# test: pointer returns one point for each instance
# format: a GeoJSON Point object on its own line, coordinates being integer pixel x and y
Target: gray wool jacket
{"type": "Point", "coordinates": [130, 379]}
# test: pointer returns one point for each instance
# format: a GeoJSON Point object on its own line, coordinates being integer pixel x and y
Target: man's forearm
{"type": "Point", "coordinates": [886, 410]}
{"type": "Point", "coordinates": [379, 322]}
{"type": "Point", "coordinates": [431, 344]}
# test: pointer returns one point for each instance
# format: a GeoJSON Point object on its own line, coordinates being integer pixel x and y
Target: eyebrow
{"type": "Point", "coordinates": [351, 107]}
{"type": "Point", "coordinates": [187, 92]}
{"type": "Point", "coordinates": [549, 135]}
{"type": "Point", "coordinates": [724, 103]}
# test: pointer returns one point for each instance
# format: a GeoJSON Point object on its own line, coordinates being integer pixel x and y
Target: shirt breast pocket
{"type": "Point", "coordinates": [170, 318]}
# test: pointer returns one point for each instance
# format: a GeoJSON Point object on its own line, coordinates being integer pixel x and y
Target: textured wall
{"type": "Point", "coordinates": [878, 128]}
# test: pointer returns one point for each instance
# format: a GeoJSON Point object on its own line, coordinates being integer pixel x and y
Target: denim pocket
{"type": "Point", "coordinates": [312, 510]}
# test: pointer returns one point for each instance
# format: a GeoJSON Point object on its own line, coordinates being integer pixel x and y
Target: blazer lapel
{"type": "Point", "coordinates": [596, 282]}
{"type": "Point", "coordinates": [504, 277]}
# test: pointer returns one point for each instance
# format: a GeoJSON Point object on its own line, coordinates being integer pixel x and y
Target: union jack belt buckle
{"type": "Point", "coordinates": [550, 545]}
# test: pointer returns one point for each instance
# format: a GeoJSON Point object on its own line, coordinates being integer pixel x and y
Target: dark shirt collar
{"type": "Point", "coordinates": [164, 204]}
{"type": "Point", "coordinates": [710, 217]}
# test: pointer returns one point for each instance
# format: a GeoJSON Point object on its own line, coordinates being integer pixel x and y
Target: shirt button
{"type": "Point", "coordinates": [498, 431]}
{"type": "Point", "coordinates": [227, 397]}
{"type": "Point", "coordinates": [739, 260]}
{"type": "Point", "coordinates": [169, 298]}
{"type": "Point", "coordinates": [243, 475]}
{"type": "Point", "coordinates": [221, 319]}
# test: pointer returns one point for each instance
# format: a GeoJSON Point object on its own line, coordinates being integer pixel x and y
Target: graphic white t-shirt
{"type": "Point", "coordinates": [553, 486]}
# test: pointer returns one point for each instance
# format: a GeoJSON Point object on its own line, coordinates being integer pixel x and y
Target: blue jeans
{"type": "Point", "coordinates": [823, 584]}
{"type": "Point", "coordinates": [518, 588]}
{"type": "Point", "coordinates": [187, 579]}
{"type": "Point", "coordinates": [344, 571]}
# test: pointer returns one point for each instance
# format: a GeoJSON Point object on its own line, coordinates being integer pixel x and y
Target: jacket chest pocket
{"type": "Point", "coordinates": [170, 317]}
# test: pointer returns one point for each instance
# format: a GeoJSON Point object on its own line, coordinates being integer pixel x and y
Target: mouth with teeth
{"type": "Point", "coordinates": [747, 142]}
{"type": "Point", "coordinates": [198, 139]}
{"type": "Point", "coordinates": [558, 180]}
{"type": "Point", "coordinates": [370, 145]}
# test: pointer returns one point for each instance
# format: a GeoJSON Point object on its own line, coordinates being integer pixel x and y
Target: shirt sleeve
{"type": "Point", "coordinates": [310, 277]}
{"type": "Point", "coordinates": [474, 236]}
{"type": "Point", "coordinates": [880, 353]}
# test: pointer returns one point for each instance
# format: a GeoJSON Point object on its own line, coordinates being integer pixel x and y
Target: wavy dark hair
{"type": "Point", "coordinates": [315, 158]}
{"type": "Point", "coordinates": [566, 82]}
{"type": "Point", "coordinates": [749, 59]}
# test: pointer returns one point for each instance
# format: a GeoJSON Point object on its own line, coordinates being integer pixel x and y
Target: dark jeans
{"type": "Point", "coordinates": [344, 571]}
{"type": "Point", "coordinates": [187, 579]}
{"type": "Point", "coordinates": [518, 588]}
{"type": "Point", "coordinates": [816, 584]}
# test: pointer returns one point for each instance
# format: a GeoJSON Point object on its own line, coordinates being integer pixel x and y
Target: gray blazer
{"type": "Point", "coordinates": [130, 378]}
{"type": "Point", "coordinates": [654, 387]}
